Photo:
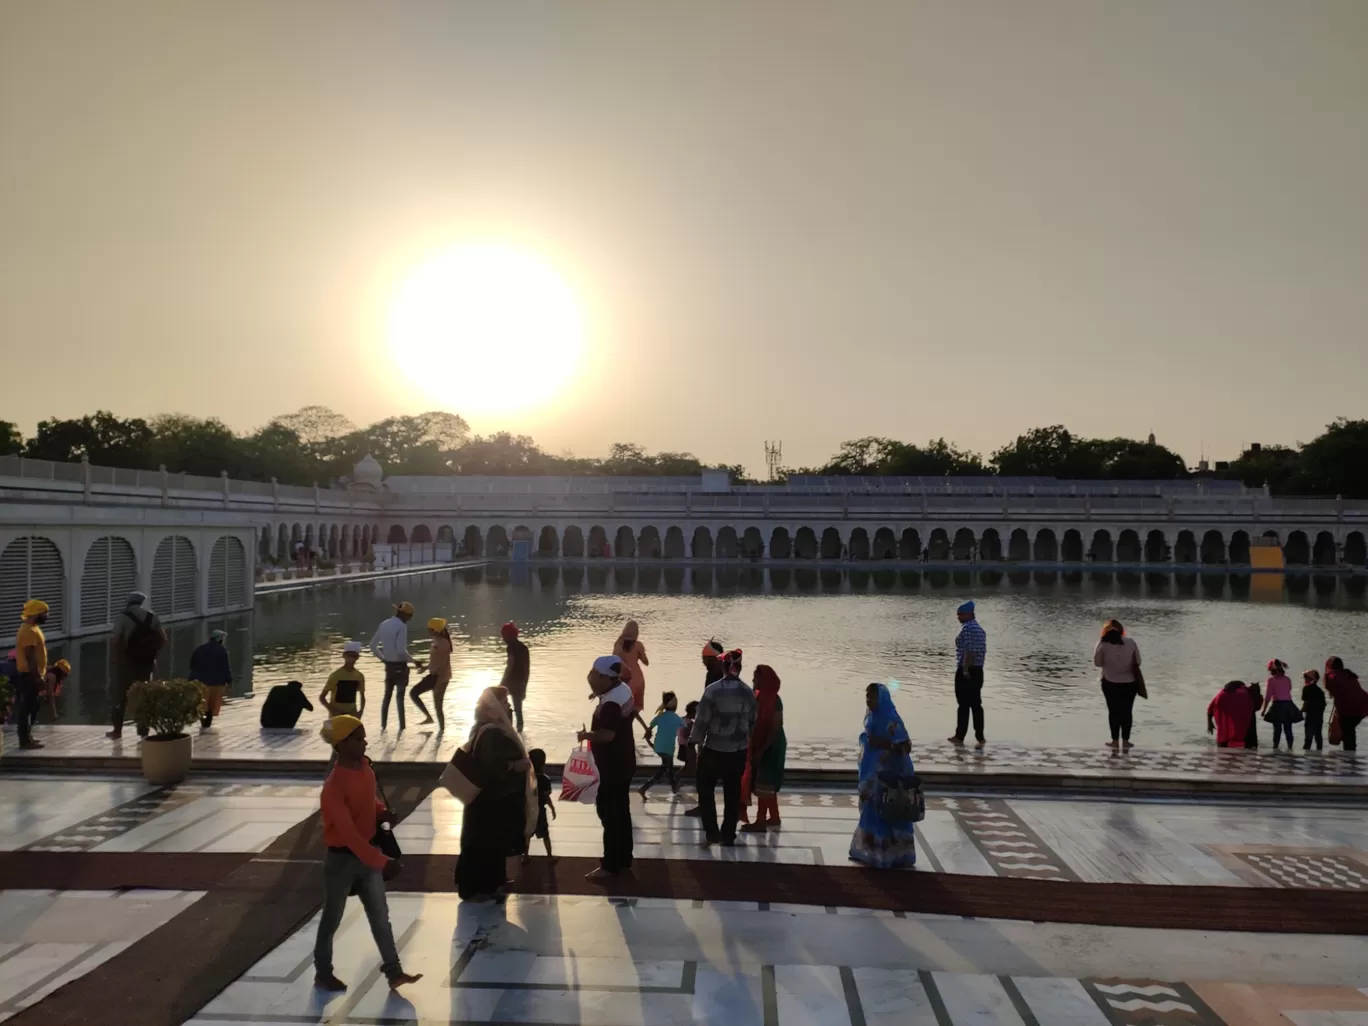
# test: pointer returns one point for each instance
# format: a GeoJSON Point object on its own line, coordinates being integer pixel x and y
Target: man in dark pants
{"type": "Point", "coordinates": [138, 638]}
{"type": "Point", "coordinates": [31, 660]}
{"type": "Point", "coordinates": [721, 732]}
{"type": "Point", "coordinates": [390, 646]}
{"type": "Point", "coordinates": [971, 645]}
{"type": "Point", "coordinates": [516, 672]}
{"type": "Point", "coordinates": [610, 739]}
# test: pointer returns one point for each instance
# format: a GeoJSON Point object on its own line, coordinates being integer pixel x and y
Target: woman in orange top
{"type": "Point", "coordinates": [632, 653]}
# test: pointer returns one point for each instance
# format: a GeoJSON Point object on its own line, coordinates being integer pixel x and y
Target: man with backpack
{"type": "Point", "coordinates": [138, 637]}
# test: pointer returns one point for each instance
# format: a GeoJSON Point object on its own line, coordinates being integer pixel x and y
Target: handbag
{"type": "Point", "coordinates": [901, 799]}
{"type": "Point", "coordinates": [1336, 733]}
{"type": "Point", "coordinates": [384, 839]}
{"type": "Point", "coordinates": [1140, 690]}
{"type": "Point", "coordinates": [461, 774]}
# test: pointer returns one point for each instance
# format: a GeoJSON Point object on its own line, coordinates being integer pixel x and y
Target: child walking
{"type": "Point", "coordinates": [665, 733]}
{"type": "Point", "coordinates": [544, 802]}
{"type": "Point", "coordinates": [1313, 707]}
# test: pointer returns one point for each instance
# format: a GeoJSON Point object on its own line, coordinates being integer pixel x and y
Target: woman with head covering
{"type": "Point", "coordinates": [885, 760]}
{"type": "Point", "coordinates": [1351, 702]}
{"type": "Point", "coordinates": [768, 751]}
{"type": "Point", "coordinates": [439, 673]}
{"type": "Point", "coordinates": [1119, 660]}
{"type": "Point", "coordinates": [630, 650]}
{"type": "Point", "coordinates": [495, 824]}
{"type": "Point", "coordinates": [1230, 715]}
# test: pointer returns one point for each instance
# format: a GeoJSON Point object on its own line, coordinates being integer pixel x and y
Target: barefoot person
{"type": "Point", "coordinates": [351, 811]}
{"type": "Point", "coordinates": [390, 646]}
{"type": "Point", "coordinates": [138, 637]}
{"type": "Point", "coordinates": [494, 826]}
{"type": "Point", "coordinates": [1119, 660]}
{"type": "Point", "coordinates": [722, 730]}
{"type": "Point", "coordinates": [971, 645]}
{"type": "Point", "coordinates": [633, 655]}
{"type": "Point", "coordinates": [438, 675]}
{"type": "Point", "coordinates": [516, 670]}
{"type": "Point", "coordinates": [610, 740]}
{"type": "Point", "coordinates": [211, 667]}
{"type": "Point", "coordinates": [31, 659]}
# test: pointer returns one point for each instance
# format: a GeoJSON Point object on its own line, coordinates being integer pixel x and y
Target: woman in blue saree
{"type": "Point", "coordinates": [885, 751]}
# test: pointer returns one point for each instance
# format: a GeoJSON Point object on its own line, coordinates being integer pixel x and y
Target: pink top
{"type": "Point", "coordinates": [1278, 689]}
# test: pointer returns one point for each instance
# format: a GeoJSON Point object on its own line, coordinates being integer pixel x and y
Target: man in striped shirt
{"type": "Point", "coordinates": [971, 646]}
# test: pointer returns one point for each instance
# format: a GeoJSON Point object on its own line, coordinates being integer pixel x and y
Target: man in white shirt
{"type": "Point", "coordinates": [390, 646]}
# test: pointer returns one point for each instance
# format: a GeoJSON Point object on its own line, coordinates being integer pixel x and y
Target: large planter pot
{"type": "Point", "coordinates": [166, 760]}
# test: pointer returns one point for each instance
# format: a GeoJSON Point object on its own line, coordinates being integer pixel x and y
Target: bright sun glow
{"type": "Point", "coordinates": [486, 328]}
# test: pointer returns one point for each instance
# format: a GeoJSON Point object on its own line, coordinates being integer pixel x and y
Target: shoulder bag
{"type": "Point", "coordinates": [1140, 690]}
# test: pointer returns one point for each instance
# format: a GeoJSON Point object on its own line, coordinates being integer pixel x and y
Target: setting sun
{"type": "Point", "coordinates": [486, 328]}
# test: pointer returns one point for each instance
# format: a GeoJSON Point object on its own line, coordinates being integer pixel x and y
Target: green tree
{"type": "Point", "coordinates": [502, 453]}
{"type": "Point", "coordinates": [1336, 462]}
{"type": "Point", "coordinates": [1124, 459]}
{"type": "Point", "coordinates": [102, 437]}
{"type": "Point", "coordinates": [189, 445]}
{"type": "Point", "coordinates": [887, 456]}
{"type": "Point", "coordinates": [1041, 452]}
{"type": "Point", "coordinates": [11, 441]}
{"type": "Point", "coordinates": [315, 426]}
{"type": "Point", "coordinates": [1274, 465]}
{"type": "Point", "coordinates": [275, 451]}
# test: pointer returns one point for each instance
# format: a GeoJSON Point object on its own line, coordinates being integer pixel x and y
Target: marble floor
{"type": "Point", "coordinates": [48, 938]}
{"type": "Point", "coordinates": [625, 962]}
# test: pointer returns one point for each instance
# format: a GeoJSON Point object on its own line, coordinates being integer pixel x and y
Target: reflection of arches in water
{"type": "Point", "coordinates": [1326, 552]}
{"type": "Point", "coordinates": [1297, 550]}
{"type": "Point", "coordinates": [990, 546]}
{"type": "Point", "coordinates": [965, 544]}
{"type": "Point", "coordinates": [1185, 548]}
{"type": "Point", "coordinates": [648, 544]}
{"type": "Point", "coordinates": [781, 547]}
{"type": "Point", "coordinates": [674, 543]}
{"type": "Point", "coordinates": [598, 542]}
{"type": "Point", "coordinates": [939, 544]}
{"type": "Point", "coordinates": [805, 543]}
{"type": "Point", "coordinates": [1046, 546]}
{"type": "Point", "coordinates": [548, 546]}
{"type": "Point", "coordinates": [702, 543]}
{"type": "Point", "coordinates": [885, 545]}
{"type": "Point", "coordinates": [1239, 548]}
{"type": "Point", "coordinates": [1101, 550]}
{"type": "Point", "coordinates": [1019, 546]}
{"type": "Point", "coordinates": [726, 543]}
{"type": "Point", "coordinates": [752, 543]}
{"type": "Point", "coordinates": [1213, 547]}
{"type": "Point", "coordinates": [859, 543]}
{"type": "Point", "coordinates": [572, 544]}
{"type": "Point", "coordinates": [909, 544]}
{"type": "Point", "coordinates": [1071, 548]}
{"type": "Point", "coordinates": [831, 543]}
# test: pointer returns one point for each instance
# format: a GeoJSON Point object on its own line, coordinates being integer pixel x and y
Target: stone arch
{"type": "Point", "coordinates": [702, 544]}
{"type": "Point", "coordinates": [521, 533]}
{"type": "Point", "coordinates": [548, 545]}
{"type": "Point", "coordinates": [227, 575]}
{"type": "Point", "coordinates": [805, 543]}
{"type": "Point", "coordinates": [496, 542]}
{"type": "Point", "coordinates": [1213, 548]}
{"type": "Point", "coordinates": [422, 535]}
{"type": "Point", "coordinates": [264, 544]}
{"type": "Point", "coordinates": [332, 541]}
{"type": "Point", "coordinates": [624, 543]}
{"type": "Point", "coordinates": [309, 539]}
{"type": "Point", "coordinates": [1297, 549]}
{"type": "Point", "coordinates": [1046, 549]}
{"type": "Point", "coordinates": [1019, 546]}
{"type": "Point", "coordinates": [572, 543]}
{"type": "Point", "coordinates": [1156, 547]}
{"type": "Point", "coordinates": [831, 543]}
{"type": "Point", "coordinates": [727, 546]}
{"type": "Point", "coordinates": [674, 543]}
{"type": "Point", "coordinates": [1071, 546]}
{"type": "Point", "coordinates": [1325, 552]}
{"type": "Point", "coordinates": [32, 567]}
{"type": "Point", "coordinates": [648, 544]}
{"type": "Point", "coordinates": [598, 542]}
{"type": "Point", "coordinates": [885, 544]}
{"type": "Point", "coordinates": [753, 543]}
{"type": "Point", "coordinates": [1355, 549]}
{"type": "Point", "coordinates": [283, 542]}
{"type": "Point", "coordinates": [781, 545]}
{"type": "Point", "coordinates": [110, 573]}
{"type": "Point", "coordinates": [965, 545]}
{"type": "Point", "coordinates": [1102, 550]}
{"type": "Point", "coordinates": [859, 544]}
{"type": "Point", "coordinates": [1239, 548]}
{"type": "Point", "coordinates": [396, 536]}
{"type": "Point", "coordinates": [473, 541]}
{"type": "Point", "coordinates": [910, 545]}
{"type": "Point", "coordinates": [445, 533]}
{"type": "Point", "coordinates": [296, 535]}
{"type": "Point", "coordinates": [939, 544]}
{"type": "Point", "coordinates": [990, 546]}
{"type": "Point", "coordinates": [1128, 547]}
{"type": "Point", "coordinates": [175, 577]}
{"type": "Point", "coordinates": [1185, 548]}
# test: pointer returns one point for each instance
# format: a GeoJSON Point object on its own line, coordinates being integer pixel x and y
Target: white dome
{"type": "Point", "coordinates": [368, 472]}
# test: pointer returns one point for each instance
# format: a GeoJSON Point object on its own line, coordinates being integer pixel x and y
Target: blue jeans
{"type": "Point", "coordinates": [1278, 730]}
{"type": "Point", "coordinates": [341, 872]}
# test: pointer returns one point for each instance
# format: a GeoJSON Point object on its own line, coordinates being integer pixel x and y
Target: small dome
{"type": "Point", "coordinates": [368, 472]}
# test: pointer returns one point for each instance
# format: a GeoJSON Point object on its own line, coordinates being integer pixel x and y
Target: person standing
{"type": "Point", "coordinates": [1313, 708]}
{"type": "Point", "coordinates": [632, 652]}
{"type": "Point", "coordinates": [768, 753]}
{"type": "Point", "coordinates": [722, 730]}
{"type": "Point", "coordinates": [1278, 707]}
{"type": "Point", "coordinates": [351, 812]}
{"type": "Point", "coordinates": [438, 675]}
{"type": "Point", "coordinates": [138, 638]}
{"type": "Point", "coordinates": [885, 760]}
{"type": "Point", "coordinates": [1351, 702]}
{"type": "Point", "coordinates": [31, 660]}
{"type": "Point", "coordinates": [517, 670]}
{"type": "Point", "coordinates": [971, 646]}
{"type": "Point", "coordinates": [610, 741]}
{"type": "Point", "coordinates": [1119, 659]}
{"type": "Point", "coordinates": [56, 675]}
{"type": "Point", "coordinates": [209, 664]}
{"type": "Point", "coordinates": [344, 692]}
{"type": "Point", "coordinates": [390, 646]}
{"type": "Point", "coordinates": [713, 651]}
{"type": "Point", "coordinates": [494, 825]}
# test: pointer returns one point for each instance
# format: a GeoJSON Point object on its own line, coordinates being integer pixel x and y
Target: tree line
{"type": "Point", "coordinates": [317, 445]}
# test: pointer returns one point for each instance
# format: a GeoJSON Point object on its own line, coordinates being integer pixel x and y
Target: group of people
{"type": "Point", "coordinates": [1233, 715]}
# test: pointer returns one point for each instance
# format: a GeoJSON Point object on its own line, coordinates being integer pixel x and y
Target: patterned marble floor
{"type": "Point", "coordinates": [237, 737]}
{"type": "Point", "coordinates": [605, 962]}
{"type": "Point", "coordinates": [48, 938]}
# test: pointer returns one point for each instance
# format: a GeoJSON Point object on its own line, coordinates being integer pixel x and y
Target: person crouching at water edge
{"type": "Point", "coordinates": [438, 675]}
{"type": "Point", "coordinates": [1230, 715]}
{"type": "Point", "coordinates": [610, 740]}
{"type": "Point", "coordinates": [351, 812]}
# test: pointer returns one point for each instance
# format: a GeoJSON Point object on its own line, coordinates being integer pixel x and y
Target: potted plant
{"type": "Point", "coordinates": [163, 709]}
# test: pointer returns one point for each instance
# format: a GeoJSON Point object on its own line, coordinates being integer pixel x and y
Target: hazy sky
{"type": "Point", "coordinates": [784, 219]}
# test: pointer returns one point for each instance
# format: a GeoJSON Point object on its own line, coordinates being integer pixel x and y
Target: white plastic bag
{"type": "Point", "coordinates": [580, 778]}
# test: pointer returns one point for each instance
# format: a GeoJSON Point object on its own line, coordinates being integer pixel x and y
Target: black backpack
{"type": "Point", "coordinates": [144, 642]}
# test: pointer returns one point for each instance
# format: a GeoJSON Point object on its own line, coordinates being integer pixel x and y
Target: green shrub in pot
{"type": "Point", "coordinates": [164, 708]}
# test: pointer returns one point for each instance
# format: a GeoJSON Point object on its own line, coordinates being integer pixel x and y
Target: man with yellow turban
{"type": "Point", "coordinates": [31, 660]}
{"type": "Point", "coordinates": [351, 812]}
